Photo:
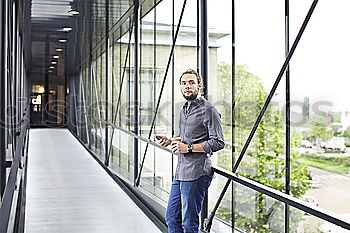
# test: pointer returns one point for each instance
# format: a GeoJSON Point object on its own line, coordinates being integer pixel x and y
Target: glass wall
{"type": "Point", "coordinates": [248, 41]}
{"type": "Point", "coordinates": [14, 87]}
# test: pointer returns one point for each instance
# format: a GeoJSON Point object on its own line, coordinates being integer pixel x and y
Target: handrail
{"type": "Point", "coordinates": [287, 199]}
{"type": "Point", "coordinates": [13, 183]}
{"type": "Point", "coordinates": [129, 132]}
{"type": "Point", "coordinates": [278, 195]}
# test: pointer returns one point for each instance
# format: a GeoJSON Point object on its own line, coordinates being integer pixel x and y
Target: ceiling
{"type": "Point", "coordinates": [48, 17]}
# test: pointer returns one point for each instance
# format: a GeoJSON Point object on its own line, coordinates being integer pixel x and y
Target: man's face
{"type": "Point", "coordinates": [190, 86]}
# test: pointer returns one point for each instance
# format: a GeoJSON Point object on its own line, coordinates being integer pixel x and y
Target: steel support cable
{"type": "Point", "coordinates": [209, 220]}
{"type": "Point", "coordinates": [120, 91]}
{"type": "Point", "coordinates": [161, 92]}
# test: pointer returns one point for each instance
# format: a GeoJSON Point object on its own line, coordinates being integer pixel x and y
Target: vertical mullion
{"type": "Point", "coordinates": [112, 94]}
{"type": "Point", "coordinates": [46, 93]}
{"type": "Point", "coordinates": [120, 80]}
{"type": "Point", "coordinates": [83, 97]}
{"type": "Point", "coordinates": [154, 78]}
{"type": "Point", "coordinates": [136, 78]}
{"type": "Point", "coordinates": [233, 86]}
{"type": "Point", "coordinates": [106, 84]}
{"type": "Point", "coordinates": [129, 97]}
{"type": "Point", "coordinates": [204, 72]}
{"type": "Point", "coordinates": [140, 56]}
{"type": "Point", "coordinates": [14, 73]}
{"type": "Point", "coordinates": [2, 96]}
{"type": "Point", "coordinates": [288, 167]}
{"type": "Point", "coordinates": [204, 44]}
{"type": "Point", "coordinates": [172, 88]}
{"type": "Point", "coordinates": [90, 86]}
{"type": "Point", "coordinates": [198, 37]}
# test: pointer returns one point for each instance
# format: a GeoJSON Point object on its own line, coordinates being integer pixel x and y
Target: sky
{"type": "Point", "coordinates": [319, 67]}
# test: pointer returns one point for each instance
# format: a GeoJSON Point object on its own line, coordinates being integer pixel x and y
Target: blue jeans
{"type": "Point", "coordinates": [185, 204]}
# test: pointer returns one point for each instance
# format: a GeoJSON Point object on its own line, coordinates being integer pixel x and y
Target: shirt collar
{"type": "Point", "coordinates": [195, 102]}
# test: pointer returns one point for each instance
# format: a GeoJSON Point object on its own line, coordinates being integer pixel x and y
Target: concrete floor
{"type": "Point", "coordinates": [68, 191]}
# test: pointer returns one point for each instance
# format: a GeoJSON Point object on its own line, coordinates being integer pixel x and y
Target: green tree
{"type": "Point", "coordinates": [306, 108]}
{"type": "Point", "coordinates": [263, 161]}
{"type": "Point", "coordinates": [347, 133]}
{"type": "Point", "coordinates": [318, 128]}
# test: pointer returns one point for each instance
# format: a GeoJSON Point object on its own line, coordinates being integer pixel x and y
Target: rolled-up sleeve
{"type": "Point", "coordinates": [216, 137]}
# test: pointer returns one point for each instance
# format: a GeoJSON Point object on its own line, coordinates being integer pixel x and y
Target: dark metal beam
{"type": "Point", "coordinates": [136, 81]}
{"type": "Point", "coordinates": [288, 167]}
{"type": "Point", "coordinates": [2, 96]}
{"type": "Point", "coordinates": [204, 44]}
{"type": "Point", "coordinates": [204, 48]}
{"type": "Point", "coordinates": [46, 94]}
{"type": "Point", "coordinates": [106, 84]}
{"type": "Point", "coordinates": [233, 91]}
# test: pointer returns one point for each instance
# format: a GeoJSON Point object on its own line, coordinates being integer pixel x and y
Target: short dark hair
{"type": "Point", "coordinates": [190, 71]}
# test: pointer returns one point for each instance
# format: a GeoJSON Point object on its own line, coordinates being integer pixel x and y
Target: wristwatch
{"type": "Point", "coordinates": [190, 148]}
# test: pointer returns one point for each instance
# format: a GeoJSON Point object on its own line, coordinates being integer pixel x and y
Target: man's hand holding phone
{"type": "Point", "coordinates": [163, 140]}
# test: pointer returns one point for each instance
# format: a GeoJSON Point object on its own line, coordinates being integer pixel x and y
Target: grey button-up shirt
{"type": "Point", "coordinates": [199, 124]}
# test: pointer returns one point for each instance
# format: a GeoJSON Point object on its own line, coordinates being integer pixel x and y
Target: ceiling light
{"type": "Point", "coordinates": [62, 40]}
{"type": "Point", "coordinates": [54, 62]}
{"type": "Point", "coordinates": [51, 67]}
{"type": "Point", "coordinates": [67, 29]}
{"type": "Point", "coordinates": [50, 71]}
{"type": "Point", "coordinates": [73, 12]}
{"type": "Point", "coordinates": [56, 56]}
{"type": "Point", "coordinates": [59, 50]}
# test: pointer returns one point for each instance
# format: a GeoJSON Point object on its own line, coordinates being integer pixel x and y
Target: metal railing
{"type": "Point", "coordinates": [12, 205]}
{"type": "Point", "coordinates": [275, 194]}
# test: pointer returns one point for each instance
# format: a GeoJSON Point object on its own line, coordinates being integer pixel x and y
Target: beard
{"type": "Point", "coordinates": [191, 97]}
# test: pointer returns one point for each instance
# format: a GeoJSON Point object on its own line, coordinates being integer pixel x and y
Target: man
{"type": "Point", "coordinates": [201, 135]}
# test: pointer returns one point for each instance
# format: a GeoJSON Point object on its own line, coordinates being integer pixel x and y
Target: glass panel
{"type": "Point", "coordinates": [220, 86]}
{"type": "Point", "coordinates": [302, 222]}
{"type": "Point", "coordinates": [98, 20]}
{"type": "Point", "coordinates": [148, 79]}
{"type": "Point", "coordinates": [224, 212]}
{"type": "Point", "coordinates": [156, 176]}
{"type": "Point", "coordinates": [255, 212]}
{"type": "Point", "coordinates": [117, 9]}
{"type": "Point", "coordinates": [320, 104]}
{"type": "Point", "coordinates": [163, 42]}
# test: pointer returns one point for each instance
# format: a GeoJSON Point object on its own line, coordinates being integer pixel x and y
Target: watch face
{"type": "Point", "coordinates": [190, 147]}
